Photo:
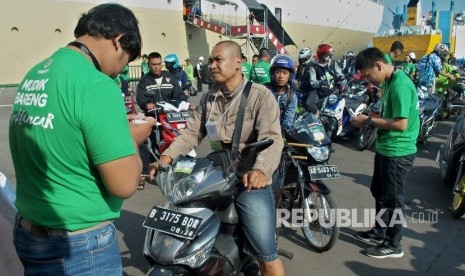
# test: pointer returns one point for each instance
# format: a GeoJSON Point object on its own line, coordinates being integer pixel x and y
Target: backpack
{"type": "Point", "coordinates": [206, 77]}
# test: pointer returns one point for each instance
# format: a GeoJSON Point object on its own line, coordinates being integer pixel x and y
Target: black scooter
{"type": "Point", "coordinates": [451, 159]}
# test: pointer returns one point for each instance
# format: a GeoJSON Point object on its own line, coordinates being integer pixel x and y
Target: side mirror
{"type": "Point", "coordinates": [256, 147]}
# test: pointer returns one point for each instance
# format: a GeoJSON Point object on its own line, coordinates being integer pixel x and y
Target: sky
{"type": "Point", "coordinates": [425, 6]}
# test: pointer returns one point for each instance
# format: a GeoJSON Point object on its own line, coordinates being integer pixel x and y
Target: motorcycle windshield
{"type": "Point", "coordinates": [308, 129]}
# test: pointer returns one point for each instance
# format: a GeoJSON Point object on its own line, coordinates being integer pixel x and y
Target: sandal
{"type": "Point", "coordinates": [141, 184]}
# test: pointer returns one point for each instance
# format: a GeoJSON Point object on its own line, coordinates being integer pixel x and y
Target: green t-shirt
{"type": "Point", "coordinates": [388, 58]}
{"type": "Point", "coordinates": [246, 70]}
{"type": "Point", "coordinates": [409, 69]}
{"type": "Point", "coordinates": [400, 100]}
{"type": "Point", "coordinates": [261, 72]}
{"type": "Point", "coordinates": [190, 72]}
{"type": "Point", "coordinates": [125, 73]}
{"type": "Point", "coordinates": [145, 68]}
{"type": "Point", "coordinates": [67, 118]}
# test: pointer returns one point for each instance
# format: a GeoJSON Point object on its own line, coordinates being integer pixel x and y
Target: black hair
{"type": "Point", "coordinates": [255, 56]}
{"type": "Point", "coordinates": [396, 45]}
{"type": "Point", "coordinates": [263, 52]}
{"type": "Point", "coordinates": [153, 55]}
{"type": "Point", "coordinates": [145, 56]}
{"type": "Point", "coordinates": [368, 57]}
{"type": "Point", "coordinates": [109, 21]}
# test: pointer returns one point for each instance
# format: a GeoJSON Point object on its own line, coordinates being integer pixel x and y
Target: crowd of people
{"type": "Point", "coordinates": [71, 181]}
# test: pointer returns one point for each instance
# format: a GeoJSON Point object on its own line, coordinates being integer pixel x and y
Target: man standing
{"type": "Point", "coordinates": [198, 73]}
{"type": "Point", "coordinates": [396, 49]}
{"type": "Point", "coordinates": [71, 181]}
{"type": "Point", "coordinates": [430, 66]}
{"type": "Point", "coordinates": [246, 67]}
{"type": "Point", "coordinates": [189, 70]}
{"type": "Point", "coordinates": [395, 150]}
{"type": "Point", "coordinates": [216, 116]}
{"type": "Point", "coordinates": [158, 85]}
{"type": "Point", "coordinates": [261, 69]}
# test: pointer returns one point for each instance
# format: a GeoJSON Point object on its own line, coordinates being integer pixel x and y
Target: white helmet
{"type": "Point", "coordinates": [412, 55]}
{"type": "Point", "coordinates": [304, 55]}
{"type": "Point", "coordinates": [441, 49]}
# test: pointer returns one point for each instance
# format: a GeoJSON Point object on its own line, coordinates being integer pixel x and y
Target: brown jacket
{"type": "Point", "coordinates": [261, 121]}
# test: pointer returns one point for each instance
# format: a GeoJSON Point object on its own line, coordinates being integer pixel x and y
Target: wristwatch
{"type": "Point", "coordinates": [368, 121]}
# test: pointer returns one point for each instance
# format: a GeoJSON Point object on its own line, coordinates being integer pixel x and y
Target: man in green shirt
{"type": "Point", "coordinates": [74, 153]}
{"type": "Point", "coordinates": [144, 66]}
{"type": "Point", "coordinates": [395, 150]}
{"type": "Point", "coordinates": [408, 67]}
{"type": "Point", "coordinates": [246, 67]}
{"type": "Point", "coordinates": [261, 69]}
{"type": "Point", "coordinates": [396, 49]}
{"type": "Point", "coordinates": [189, 70]}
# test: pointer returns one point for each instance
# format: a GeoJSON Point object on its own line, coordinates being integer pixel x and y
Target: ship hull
{"type": "Point", "coordinates": [419, 44]}
{"type": "Point", "coordinates": [34, 29]}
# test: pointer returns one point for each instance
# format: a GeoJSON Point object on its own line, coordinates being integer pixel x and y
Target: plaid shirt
{"type": "Point", "coordinates": [427, 68]}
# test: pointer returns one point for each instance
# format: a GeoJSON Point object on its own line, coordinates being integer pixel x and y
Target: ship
{"type": "Point", "coordinates": [33, 30]}
{"type": "Point", "coordinates": [420, 33]}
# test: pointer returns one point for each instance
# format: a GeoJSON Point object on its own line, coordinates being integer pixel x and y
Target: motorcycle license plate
{"type": "Point", "coordinates": [323, 172]}
{"type": "Point", "coordinates": [173, 222]}
{"type": "Point", "coordinates": [173, 117]}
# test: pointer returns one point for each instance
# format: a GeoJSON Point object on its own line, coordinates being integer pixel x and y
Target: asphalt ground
{"type": "Point", "coordinates": [433, 241]}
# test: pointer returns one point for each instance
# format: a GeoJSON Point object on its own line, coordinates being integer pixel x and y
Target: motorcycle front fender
{"type": "Point", "coordinates": [317, 186]}
{"type": "Point", "coordinates": [168, 271]}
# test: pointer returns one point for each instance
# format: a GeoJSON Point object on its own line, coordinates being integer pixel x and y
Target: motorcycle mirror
{"type": "Point", "coordinates": [256, 147]}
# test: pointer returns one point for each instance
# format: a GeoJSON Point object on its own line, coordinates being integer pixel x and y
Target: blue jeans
{"type": "Point", "coordinates": [92, 253]}
{"type": "Point", "coordinates": [257, 218]}
{"type": "Point", "coordinates": [387, 187]}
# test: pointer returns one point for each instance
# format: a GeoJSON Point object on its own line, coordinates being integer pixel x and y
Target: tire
{"type": "Point", "coordinates": [318, 236]}
{"type": "Point", "coordinates": [366, 137]}
{"type": "Point", "coordinates": [458, 198]}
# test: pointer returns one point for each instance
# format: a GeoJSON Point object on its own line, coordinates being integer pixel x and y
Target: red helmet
{"type": "Point", "coordinates": [324, 52]}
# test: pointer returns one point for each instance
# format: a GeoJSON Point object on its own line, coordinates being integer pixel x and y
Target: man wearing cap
{"type": "Point", "coordinates": [198, 73]}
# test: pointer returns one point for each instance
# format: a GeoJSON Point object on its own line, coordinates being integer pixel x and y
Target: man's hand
{"type": "Point", "coordinates": [140, 132]}
{"type": "Point", "coordinates": [153, 168]}
{"type": "Point", "coordinates": [255, 179]}
{"type": "Point", "coordinates": [451, 77]}
{"type": "Point", "coordinates": [359, 121]}
{"type": "Point", "coordinates": [150, 106]}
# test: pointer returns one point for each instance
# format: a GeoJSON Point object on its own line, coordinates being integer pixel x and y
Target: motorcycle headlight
{"type": "Point", "coordinates": [332, 99]}
{"type": "Point", "coordinates": [320, 154]}
{"type": "Point", "coordinates": [185, 186]}
{"type": "Point", "coordinates": [197, 258]}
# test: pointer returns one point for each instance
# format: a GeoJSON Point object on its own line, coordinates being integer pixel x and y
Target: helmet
{"type": "Point", "coordinates": [412, 55]}
{"type": "Point", "coordinates": [441, 49]}
{"type": "Point", "coordinates": [171, 61]}
{"type": "Point", "coordinates": [349, 54]}
{"type": "Point", "coordinates": [324, 52]}
{"type": "Point", "coordinates": [304, 55]}
{"type": "Point", "coordinates": [283, 61]}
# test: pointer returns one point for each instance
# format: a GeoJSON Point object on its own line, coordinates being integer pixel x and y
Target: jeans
{"type": "Point", "coordinates": [387, 187]}
{"type": "Point", "coordinates": [92, 253]}
{"type": "Point", "coordinates": [257, 218]}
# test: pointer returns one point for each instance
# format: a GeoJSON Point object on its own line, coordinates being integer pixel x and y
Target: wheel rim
{"type": "Point", "coordinates": [318, 234]}
{"type": "Point", "coordinates": [458, 196]}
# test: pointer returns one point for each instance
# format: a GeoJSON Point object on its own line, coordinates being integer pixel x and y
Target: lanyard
{"type": "Point", "coordinates": [86, 50]}
{"type": "Point", "coordinates": [237, 97]}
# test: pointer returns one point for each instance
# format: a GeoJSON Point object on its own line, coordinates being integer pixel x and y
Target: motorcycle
{"type": "Point", "coordinates": [196, 231]}
{"type": "Point", "coordinates": [338, 108]}
{"type": "Point", "coordinates": [429, 108]}
{"type": "Point", "coordinates": [451, 160]}
{"type": "Point", "coordinates": [170, 120]}
{"type": "Point", "coordinates": [453, 100]}
{"type": "Point", "coordinates": [306, 153]}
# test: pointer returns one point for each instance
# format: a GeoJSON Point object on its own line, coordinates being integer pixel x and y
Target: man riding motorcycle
{"type": "Point", "coordinates": [282, 86]}
{"type": "Point", "coordinates": [172, 65]}
{"type": "Point", "coordinates": [304, 58]}
{"type": "Point", "coordinates": [319, 76]}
